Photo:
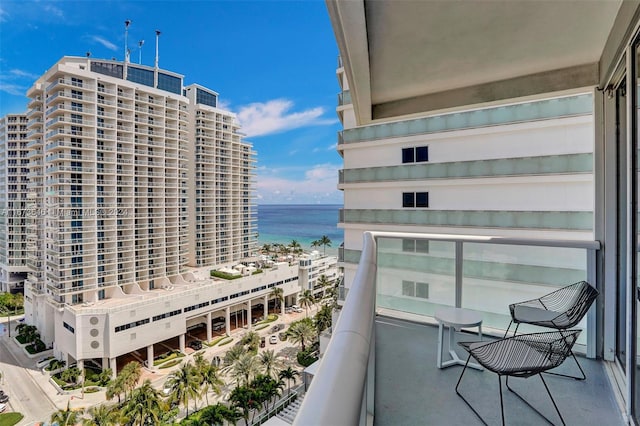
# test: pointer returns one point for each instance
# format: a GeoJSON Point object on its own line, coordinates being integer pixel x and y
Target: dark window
{"type": "Point", "coordinates": [422, 290]}
{"type": "Point", "coordinates": [407, 155]}
{"type": "Point", "coordinates": [106, 68]}
{"type": "Point", "coordinates": [408, 288]}
{"type": "Point", "coordinates": [140, 75]}
{"type": "Point", "coordinates": [422, 154]}
{"type": "Point", "coordinates": [169, 83]}
{"type": "Point", "coordinates": [422, 199]}
{"type": "Point", "coordinates": [206, 98]}
{"type": "Point", "coordinates": [408, 199]}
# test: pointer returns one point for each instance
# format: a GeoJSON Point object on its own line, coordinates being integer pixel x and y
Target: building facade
{"type": "Point", "coordinates": [131, 179]}
{"type": "Point", "coordinates": [522, 169]}
{"type": "Point", "coordinates": [13, 199]}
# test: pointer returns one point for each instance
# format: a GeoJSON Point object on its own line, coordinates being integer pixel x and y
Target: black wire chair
{"type": "Point", "coordinates": [561, 309]}
{"type": "Point", "coordinates": [522, 356]}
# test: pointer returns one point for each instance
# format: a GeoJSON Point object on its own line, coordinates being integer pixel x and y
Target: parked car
{"type": "Point", "coordinates": [282, 336]}
{"type": "Point", "coordinates": [4, 398]}
{"type": "Point", "coordinates": [3, 407]}
{"type": "Point", "coordinates": [196, 345]}
{"type": "Point", "coordinates": [273, 339]}
{"type": "Point", "coordinates": [262, 342]}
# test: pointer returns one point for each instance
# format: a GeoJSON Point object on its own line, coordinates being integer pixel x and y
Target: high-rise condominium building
{"type": "Point", "coordinates": [132, 177]}
{"type": "Point", "coordinates": [13, 199]}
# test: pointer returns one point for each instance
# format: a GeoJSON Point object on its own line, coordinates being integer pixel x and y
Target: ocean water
{"type": "Point", "coordinates": [282, 223]}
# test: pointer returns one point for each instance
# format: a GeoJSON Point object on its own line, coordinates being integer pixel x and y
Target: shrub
{"type": "Point", "coordinates": [306, 357]}
{"type": "Point", "coordinates": [37, 346]}
{"type": "Point", "coordinates": [225, 341]}
{"type": "Point", "coordinates": [171, 363]}
{"type": "Point", "coordinates": [22, 338]}
{"type": "Point", "coordinates": [224, 275]}
{"type": "Point", "coordinates": [91, 389]}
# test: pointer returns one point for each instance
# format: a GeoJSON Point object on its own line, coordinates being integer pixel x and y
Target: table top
{"type": "Point", "coordinates": [458, 317]}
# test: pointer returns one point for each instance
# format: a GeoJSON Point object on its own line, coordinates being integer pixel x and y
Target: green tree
{"type": "Point", "coordinates": [288, 374]}
{"type": "Point", "coordinates": [245, 368]}
{"type": "Point", "coordinates": [145, 406]}
{"type": "Point", "coordinates": [67, 417]}
{"type": "Point", "coordinates": [295, 247]}
{"type": "Point", "coordinates": [269, 361]}
{"type": "Point", "coordinates": [301, 332]}
{"type": "Point", "coordinates": [70, 375]}
{"type": "Point", "coordinates": [116, 388]}
{"type": "Point", "coordinates": [105, 376]}
{"type": "Point", "coordinates": [322, 320]}
{"type": "Point", "coordinates": [102, 415]}
{"type": "Point", "coordinates": [306, 300]}
{"type": "Point", "coordinates": [217, 414]}
{"type": "Point", "coordinates": [277, 293]}
{"type": "Point", "coordinates": [315, 243]}
{"type": "Point", "coordinates": [325, 242]}
{"type": "Point", "coordinates": [252, 341]}
{"type": "Point", "coordinates": [131, 374]}
{"type": "Point", "coordinates": [210, 379]}
{"type": "Point", "coordinates": [183, 385]}
{"type": "Point", "coordinates": [244, 398]}
{"type": "Point", "coordinates": [233, 354]}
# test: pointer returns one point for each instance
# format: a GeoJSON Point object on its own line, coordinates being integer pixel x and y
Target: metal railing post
{"type": "Point", "coordinates": [592, 315]}
{"type": "Point", "coordinates": [458, 273]}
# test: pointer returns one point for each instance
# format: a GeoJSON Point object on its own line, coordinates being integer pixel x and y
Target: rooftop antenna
{"type": "Point", "coordinates": [140, 43]}
{"type": "Point", "coordinates": [88, 54]}
{"type": "Point", "coordinates": [126, 37]}
{"type": "Point", "coordinates": [157, 37]}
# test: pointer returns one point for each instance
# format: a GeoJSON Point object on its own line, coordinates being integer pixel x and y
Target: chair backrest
{"type": "Point", "coordinates": [572, 302]}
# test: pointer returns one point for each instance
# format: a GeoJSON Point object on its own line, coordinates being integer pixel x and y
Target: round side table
{"type": "Point", "coordinates": [456, 319]}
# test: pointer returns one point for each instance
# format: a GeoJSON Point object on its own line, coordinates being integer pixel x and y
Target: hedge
{"type": "Point", "coordinates": [224, 275]}
{"type": "Point", "coordinates": [170, 363]}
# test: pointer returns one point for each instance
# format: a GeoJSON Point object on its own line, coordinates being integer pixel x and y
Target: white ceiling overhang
{"type": "Point", "coordinates": [411, 57]}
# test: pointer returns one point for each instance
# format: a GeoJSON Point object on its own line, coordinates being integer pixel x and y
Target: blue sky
{"type": "Point", "coordinates": [273, 63]}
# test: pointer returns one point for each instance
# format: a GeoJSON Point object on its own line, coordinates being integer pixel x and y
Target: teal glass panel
{"type": "Point", "coordinates": [579, 221]}
{"type": "Point", "coordinates": [529, 111]}
{"type": "Point", "coordinates": [570, 163]}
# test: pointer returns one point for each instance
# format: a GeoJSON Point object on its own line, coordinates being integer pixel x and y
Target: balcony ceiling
{"type": "Point", "coordinates": [408, 57]}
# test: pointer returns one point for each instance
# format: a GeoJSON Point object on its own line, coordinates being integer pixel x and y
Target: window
{"type": "Point", "coordinates": [415, 199]}
{"type": "Point", "coordinates": [415, 289]}
{"type": "Point", "coordinates": [206, 98]}
{"type": "Point", "coordinates": [418, 154]}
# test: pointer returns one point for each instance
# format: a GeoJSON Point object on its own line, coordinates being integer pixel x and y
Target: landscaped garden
{"type": "Point", "coordinates": [10, 419]}
{"type": "Point", "coordinates": [28, 334]}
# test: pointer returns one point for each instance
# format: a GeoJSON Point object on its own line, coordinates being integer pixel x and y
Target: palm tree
{"type": "Point", "coordinates": [244, 399]}
{"type": "Point", "coordinates": [102, 415]}
{"type": "Point", "coordinates": [325, 242]}
{"type": "Point", "coordinates": [67, 417]}
{"type": "Point", "coordinates": [295, 246]}
{"type": "Point", "coordinates": [210, 380]}
{"type": "Point", "coordinates": [322, 320]}
{"type": "Point", "coordinates": [301, 332]}
{"type": "Point", "coordinates": [131, 373]}
{"type": "Point", "coordinates": [315, 243]}
{"type": "Point", "coordinates": [145, 406]}
{"type": "Point", "coordinates": [306, 300]}
{"type": "Point", "coordinates": [233, 355]}
{"type": "Point", "coordinates": [71, 374]}
{"type": "Point", "coordinates": [269, 360]}
{"type": "Point", "coordinates": [245, 367]}
{"type": "Point", "coordinates": [278, 294]}
{"type": "Point", "coordinates": [252, 340]}
{"type": "Point", "coordinates": [288, 375]}
{"type": "Point", "coordinates": [183, 385]}
{"type": "Point", "coordinates": [266, 248]}
{"type": "Point", "coordinates": [116, 387]}
{"type": "Point", "coordinates": [218, 414]}
{"type": "Point", "coordinates": [105, 376]}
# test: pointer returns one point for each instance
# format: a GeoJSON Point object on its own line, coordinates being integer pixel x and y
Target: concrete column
{"type": "Point", "coordinates": [114, 368]}
{"type": "Point", "coordinates": [150, 356]}
{"type": "Point", "coordinates": [266, 306]}
{"type": "Point", "coordinates": [182, 339]}
{"type": "Point", "coordinates": [80, 364]}
{"type": "Point", "coordinates": [282, 303]}
{"type": "Point", "coordinates": [227, 320]}
{"type": "Point", "coordinates": [248, 315]}
{"type": "Point", "coordinates": [208, 327]}
{"type": "Point", "coordinates": [105, 362]}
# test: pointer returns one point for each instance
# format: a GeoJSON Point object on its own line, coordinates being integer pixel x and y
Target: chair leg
{"type": "Point", "coordinates": [584, 376]}
{"type": "Point", "coordinates": [501, 402]}
{"type": "Point", "coordinates": [507, 330]}
{"type": "Point", "coordinates": [465, 400]}
{"type": "Point", "coordinates": [552, 400]}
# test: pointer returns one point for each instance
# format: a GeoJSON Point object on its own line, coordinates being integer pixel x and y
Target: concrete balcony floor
{"type": "Point", "coordinates": [411, 390]}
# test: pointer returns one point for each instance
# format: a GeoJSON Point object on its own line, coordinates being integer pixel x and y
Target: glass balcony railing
{"type": "Point", "coordinates": [410, 276]}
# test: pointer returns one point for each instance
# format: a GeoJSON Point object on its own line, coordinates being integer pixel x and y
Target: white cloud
{"type": "Point", "coordinates": [106, 43]}
{"type": "Point", "coordinates": [25, 74]}
{"type": "Point", "coordinates": [16, 81]}
{"type": "Point", "coordinates": [52, 10]}
{"type": "Point", "coordinates": [259, 119]}
{"type": "Point", "coordinates": [318, 186]}
{"type": "Point", "coordinates": [222, 104]}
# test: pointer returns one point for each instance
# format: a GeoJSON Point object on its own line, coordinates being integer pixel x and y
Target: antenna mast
{"type": "Point", "coordinates": [126, 37]}
{"type": "Point", "coordinates": [157, 37]}
{"type": "Point", "coordinates": [140, 43]}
